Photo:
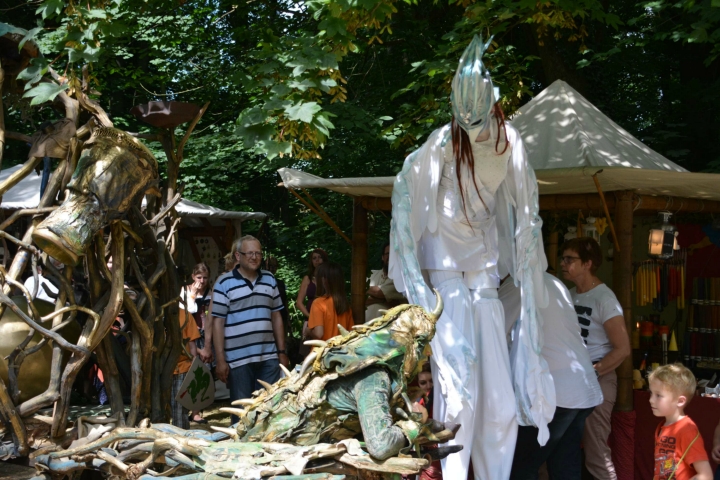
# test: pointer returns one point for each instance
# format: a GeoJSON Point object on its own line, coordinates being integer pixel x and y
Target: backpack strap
{"type": "Point", "coordinates": [683, 456]}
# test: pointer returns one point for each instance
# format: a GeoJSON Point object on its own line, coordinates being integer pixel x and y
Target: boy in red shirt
{"type": "Point", "coordinates": [679, 451]}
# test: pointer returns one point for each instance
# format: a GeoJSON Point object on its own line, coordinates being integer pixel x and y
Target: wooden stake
{"type": "Point", "coordinates": [325, 217]}
{"type": "Point", "coordinates": [607, 212]}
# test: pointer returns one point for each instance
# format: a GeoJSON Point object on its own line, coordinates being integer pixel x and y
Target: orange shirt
{"type": "Point", "coordinates": [671, 443]}
{"type": "Point", "coordinates": [189, 332]}
{"type": "Point", "coordinates": [323, 313]}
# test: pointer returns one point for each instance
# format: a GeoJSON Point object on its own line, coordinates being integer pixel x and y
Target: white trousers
{"type": "Point", "coordinates": [488, 420]}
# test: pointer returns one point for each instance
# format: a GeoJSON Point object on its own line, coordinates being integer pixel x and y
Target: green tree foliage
{"type": "Point", "coordinates": [343, 88]}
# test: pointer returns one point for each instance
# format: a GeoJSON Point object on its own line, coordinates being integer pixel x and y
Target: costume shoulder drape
{"type": "Point", "coordinates": [521, 255]}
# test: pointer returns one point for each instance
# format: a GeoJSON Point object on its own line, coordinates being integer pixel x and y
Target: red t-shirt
{"type": "Point", "coordinates": [671, 443]}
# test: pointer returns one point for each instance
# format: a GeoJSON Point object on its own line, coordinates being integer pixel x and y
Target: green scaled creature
{"type": "Point", "coordinates": [354, 383]}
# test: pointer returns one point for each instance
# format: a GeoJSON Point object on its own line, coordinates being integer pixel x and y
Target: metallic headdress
{"type": "Point", "coordinates": [472, 94]}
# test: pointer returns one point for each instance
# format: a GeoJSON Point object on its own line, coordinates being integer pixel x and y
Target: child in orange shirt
{"type": "Point", "coordinates": [331, 306]}
{"type": "Point", "coordinates": [679, 450]}
{"type": "Point", "coordinates": [190, 333]}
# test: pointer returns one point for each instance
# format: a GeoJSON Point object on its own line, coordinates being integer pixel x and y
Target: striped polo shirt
{"type": "Point", "coordinates": [246, 308]}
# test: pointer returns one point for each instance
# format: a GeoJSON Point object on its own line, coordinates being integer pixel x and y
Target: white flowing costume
{"type": "Point", "coordinates": [430, 235]}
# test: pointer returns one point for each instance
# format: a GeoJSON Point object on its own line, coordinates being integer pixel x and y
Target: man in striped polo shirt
{"type": "Point", "coordinates": [249, 337]}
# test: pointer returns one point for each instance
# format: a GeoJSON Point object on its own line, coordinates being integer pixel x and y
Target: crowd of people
{"type": "Point", "coordinates": [238, 324]}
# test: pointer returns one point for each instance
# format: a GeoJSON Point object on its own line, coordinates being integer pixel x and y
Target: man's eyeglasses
{"type": "Point", "coordinates": [251, 254]}
{"type": "Point", "coordinates": [568, 259]}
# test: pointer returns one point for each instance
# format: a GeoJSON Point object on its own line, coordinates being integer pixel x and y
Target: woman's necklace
{"type": "Point", "coordinates": [585, 290]}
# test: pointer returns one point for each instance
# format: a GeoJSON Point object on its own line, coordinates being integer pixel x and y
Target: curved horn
{"type": "Point", "coordinates": [435, 314]}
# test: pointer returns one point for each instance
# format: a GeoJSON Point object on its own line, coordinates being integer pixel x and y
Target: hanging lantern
{"type": "Point", "coordinates": [590, 230]}
{"type": "Point", "coordinates": [663, 239]}
{"type": "Point", "coordinates": [571, 233]}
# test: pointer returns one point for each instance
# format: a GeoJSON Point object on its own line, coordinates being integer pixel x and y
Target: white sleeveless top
{"type": "Point", "coordinates": [466, 239]}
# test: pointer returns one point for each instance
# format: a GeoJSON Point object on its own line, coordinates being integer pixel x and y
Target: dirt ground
{"type": "Point", "coordinates": [12, 471]}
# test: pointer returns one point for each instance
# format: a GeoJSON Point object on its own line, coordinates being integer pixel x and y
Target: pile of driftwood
{"type": "Point", "coordinates": [164, 451]}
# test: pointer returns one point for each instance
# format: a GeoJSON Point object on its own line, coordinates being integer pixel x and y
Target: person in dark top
{"type": "Point", "coordinates": [308, 289]}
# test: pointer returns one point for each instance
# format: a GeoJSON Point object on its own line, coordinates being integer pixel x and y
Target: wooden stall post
{"type": "Point", "coordinates": [622, 286]}
{"type": "Point", "coordinates": [359, 262]}
{"type": "Point", "coordinates": [552, 252]}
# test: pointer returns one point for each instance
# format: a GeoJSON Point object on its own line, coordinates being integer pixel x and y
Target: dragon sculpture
{"type": "Point", "coordinates": [306, 424]}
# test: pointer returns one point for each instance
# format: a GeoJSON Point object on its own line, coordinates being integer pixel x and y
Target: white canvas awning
{"type": "Point", "coordinates": [568, 140]}
{"type": "Point", "coordinates": [26, 194]}
{"type": "Point", "coordinates": [705, 186]}
{"type": "Point", "coordinates": [191, 213]}
{"type": "Point", "coordinates": [357, 186]}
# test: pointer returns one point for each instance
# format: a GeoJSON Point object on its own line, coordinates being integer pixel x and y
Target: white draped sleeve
{"type": "Point", "coordinates": [522, 256]}
{"type": "Point", "coordinates": [414, 202]}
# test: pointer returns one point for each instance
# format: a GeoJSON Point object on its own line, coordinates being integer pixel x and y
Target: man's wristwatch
{"type": "Point", "coordinates": [282, 352]}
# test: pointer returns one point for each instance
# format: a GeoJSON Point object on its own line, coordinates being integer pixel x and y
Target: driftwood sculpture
{"type": "Point", "coordinates": [89, 213]}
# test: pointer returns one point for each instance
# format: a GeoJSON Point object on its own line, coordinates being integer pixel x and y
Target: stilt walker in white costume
{"type": "Point", "coordinates": [465, 214]}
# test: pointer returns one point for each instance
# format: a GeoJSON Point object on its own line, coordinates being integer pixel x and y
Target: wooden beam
{"type": "Point", "coordinates": [582, 201]}
{"type": "Point", "coordinates": [642, 204]}
{"type": "Point", "coordinates": [651, 204]}
{"type": "Point", "coordinates": [359, 262]}
{"type": "Point", "coordinates": [376, 203]}
{"type": "Point", "coordinates": [622, 286]}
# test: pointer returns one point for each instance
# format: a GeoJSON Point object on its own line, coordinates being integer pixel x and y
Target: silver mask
{"type": "Point", "coordinates": [472, 94]}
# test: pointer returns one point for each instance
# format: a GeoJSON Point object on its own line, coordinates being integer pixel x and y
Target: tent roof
{"type": "Point", "coordinates": [568, 140]}
{"type": "Point", "coordinates": [26, 194]}
{"type": "Point", "coordinates": [561, 129]}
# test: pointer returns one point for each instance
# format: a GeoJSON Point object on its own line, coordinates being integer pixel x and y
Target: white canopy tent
{"type": "Point", "coordinates": [568, 140]}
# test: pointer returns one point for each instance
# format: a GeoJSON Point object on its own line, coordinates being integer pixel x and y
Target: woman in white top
{"type": "Point", "coordinates": [602, 327]}
{"type": "Point", "coordinates": [465, 214]}
{"type": "Point", "coordinates": [46, 290]}
{"type": "Point", "coordinates": [196, 301]}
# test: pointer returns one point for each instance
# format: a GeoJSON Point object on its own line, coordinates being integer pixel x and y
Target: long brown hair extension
{"type": "Point", "coordinates": [462, 150]}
